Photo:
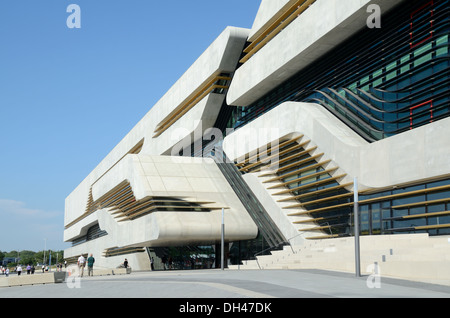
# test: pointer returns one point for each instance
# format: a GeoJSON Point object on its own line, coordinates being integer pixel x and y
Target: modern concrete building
{"type": "Point", "coordinates": [272, 126]}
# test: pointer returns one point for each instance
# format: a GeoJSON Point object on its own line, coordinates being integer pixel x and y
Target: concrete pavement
{"type": "Point", "coordinates": [256, 284]}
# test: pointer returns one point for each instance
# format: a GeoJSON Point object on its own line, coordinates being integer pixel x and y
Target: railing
{"type": "Point", "coordinates": [287, 242]}
{"type": "Point", "coordinates": [329, 226]}
{"type": "Point", "coordinates": [256, 210]}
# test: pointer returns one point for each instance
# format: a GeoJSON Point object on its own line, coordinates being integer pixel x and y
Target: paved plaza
{"type": "Point", "coordinates": [235, 284]}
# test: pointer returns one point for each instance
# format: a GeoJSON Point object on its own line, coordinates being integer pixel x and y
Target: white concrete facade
{"type": "Point", "coordinates": [195, 180]}
{"type": "Point", "coordinates": [147, 158]}
{"type": "Point", "coordinates": [152, 172]}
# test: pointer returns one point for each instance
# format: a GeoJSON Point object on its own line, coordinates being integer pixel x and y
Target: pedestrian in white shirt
{"type": "Point", "coordinates": [81, 263]}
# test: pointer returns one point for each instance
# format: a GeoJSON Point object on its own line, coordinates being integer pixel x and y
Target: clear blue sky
{"type": "Point", "coordinates": [68, 96]}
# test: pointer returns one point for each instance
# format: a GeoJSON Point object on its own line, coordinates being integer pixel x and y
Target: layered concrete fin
{"type": "Point", "coordinates": [267, 13]}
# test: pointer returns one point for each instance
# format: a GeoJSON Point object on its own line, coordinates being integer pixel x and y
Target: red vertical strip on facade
{"type": "Point", "coordinates": [412, 44]}
{"type": "Point", "coordinates": [430, 102]}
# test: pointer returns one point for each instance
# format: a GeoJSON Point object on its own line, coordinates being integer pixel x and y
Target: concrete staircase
{"type": "Point", "coordinates": [411, 256]}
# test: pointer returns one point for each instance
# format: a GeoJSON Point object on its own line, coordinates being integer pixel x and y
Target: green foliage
{"type": "Point", "coordinates": [30, 257]}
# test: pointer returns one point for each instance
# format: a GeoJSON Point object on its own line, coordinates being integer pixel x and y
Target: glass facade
{"type": "Point", "coordinates": [423, 208]}
{"type": "Point", "coordinates": [94, 232]}
{"type": "Point", "coordinates": [318, 192]}
{"type": "Point", "coordinates": [381, 82]}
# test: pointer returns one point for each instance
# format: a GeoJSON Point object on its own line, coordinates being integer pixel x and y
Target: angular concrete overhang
{"type": "Point", "coordinates": [191, 104]}
{"type": "Point", "coordinates": [220, 58]}
{"type": "Point", "coordinates": [125, 203]}
{"type": "Point", "coordinates": [319, 29]}
{"type": "Point", "coordinates": [421, 154]}
{"type": "Point", "coordinates": [194, 86]}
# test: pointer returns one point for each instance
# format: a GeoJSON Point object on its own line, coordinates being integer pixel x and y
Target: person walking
{"type": "Point", "coordinates": [164, 261]}
{"type": "Point", "coordinates": [90, 264]}
{"type": "Point", "coordinates": [81, 262]}
{"type": "Point", "coordinates": [19, 270]}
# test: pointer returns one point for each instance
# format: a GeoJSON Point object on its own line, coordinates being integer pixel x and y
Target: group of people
{"type": "Point", "coordinates": [4, 271]}
{"type": "Point", "coordinates": [30, 269]}
{"type": "Point", "coordinates": [18, 269]}
{"type": "Point", "coordinates": [82, 262]}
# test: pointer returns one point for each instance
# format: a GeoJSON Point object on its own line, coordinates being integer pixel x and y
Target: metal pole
{"type": "Point", "coordinates": [239, 260]}
{"type": "Point", "coordinates": [222, 255]}
{"type": "Point", "coordinates": [45, 247]}
{"type": "Point", "coordinates": [356, 223]}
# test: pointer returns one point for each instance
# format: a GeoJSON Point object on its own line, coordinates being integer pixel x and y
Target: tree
{"type": "Point", "coordinates": [26, 257]}
{"type": "Point", "coordinates": [29, 257]}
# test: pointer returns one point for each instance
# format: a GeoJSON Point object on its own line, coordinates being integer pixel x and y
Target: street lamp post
{"type": "Point", "coordinates": [356, 223]}
{"type": "Point", "coordinates": [45, 247]}
{"type": "Point", "coordinates": [222, 257]}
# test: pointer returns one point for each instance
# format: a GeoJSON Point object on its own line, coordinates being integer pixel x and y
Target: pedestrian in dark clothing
{"type": "Point", "coordinates": [90, 263]}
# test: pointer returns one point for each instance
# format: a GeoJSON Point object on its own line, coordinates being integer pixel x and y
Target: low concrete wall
{"type": "Point", "coordinates": [35, 279]}
{"type": "Point", "coordinates": [54, 277]}
{"type": "Point", "coordinates": [105, 272]}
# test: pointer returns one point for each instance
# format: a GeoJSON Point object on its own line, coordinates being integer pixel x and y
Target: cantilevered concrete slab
{"type": "Point", "coordinates": [315, 32]}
